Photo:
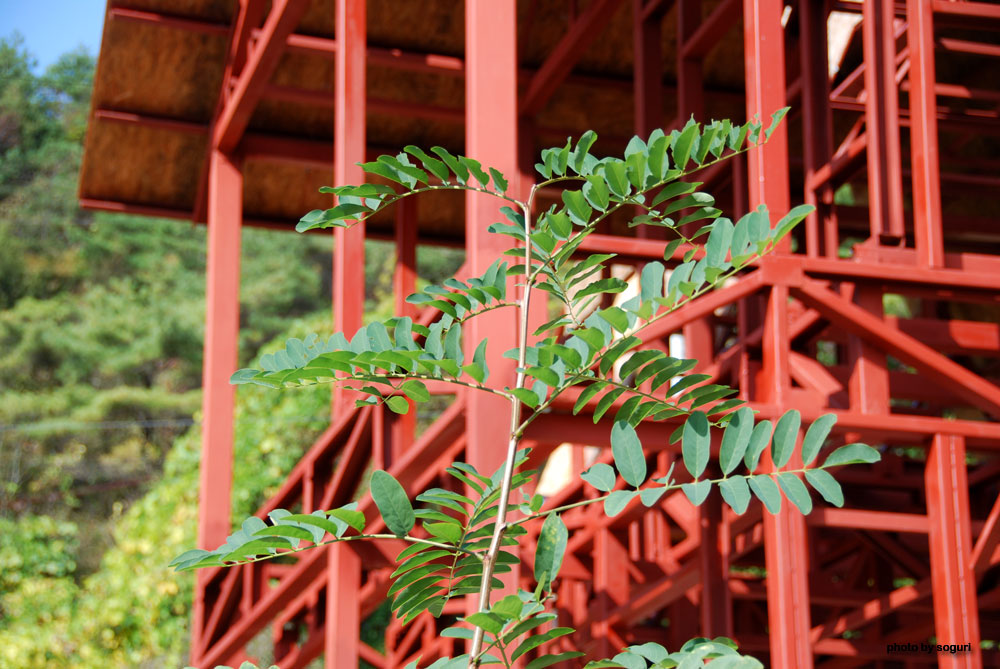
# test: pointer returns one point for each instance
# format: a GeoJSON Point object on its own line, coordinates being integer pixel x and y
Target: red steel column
{"type": "Point", "coordinates": [785, 537]}
{"type": "Point", "coordinates": [404, 282]}
{"type": "Point", "coordinates": [491, 138]}
{"type": "Point", "coordinates": [784, 533]}
{"type": "Point", "coordinates": [868, 385]}
{"type": "Point", "coordinates": [690, 99]}
{"type": "Point", "coordinates": [349, 149]}
{"type": "Point", "coordinates": [647, 69]}
{"type": "Point", "coordinates": [713, 560]}
{"type": "Point", "coordinates": [222, 327]}
{"type": "Point", "coordinates": [927, 225]}
{"type": "Point", "coordinates": [764, 55]}
{"type": "Point", "coordinates": [647, 80]}
{"type": "Point", "coordinates": [956, 618]}
{"type": "Point", "coordinates": [885, 178]}
{"type": "Point", "coordinates": [817, 125]}
{"type": "Point", "coordinates": [343, 608]}
{"type": "Point", "coordinates": [690, 102]}
{"type": "Point", "coordinates": [611, 588]}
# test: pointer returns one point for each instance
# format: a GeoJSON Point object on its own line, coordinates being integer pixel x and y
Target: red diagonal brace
{"type": "Point", "coordinates": [263, 60]}
{"type": "Point", "coordinates": [574, 43]}
{"type": "Point", "coordinates": [987, 542]}
{"type": "Point", "coordinates": [970, 387]}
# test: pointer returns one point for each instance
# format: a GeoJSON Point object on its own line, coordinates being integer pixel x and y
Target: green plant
{"type": "Point", "coordinates": [463, 541]}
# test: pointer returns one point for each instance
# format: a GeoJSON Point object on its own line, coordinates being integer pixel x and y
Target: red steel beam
{"type": "Point", "coordinates": [987, 542]}
{"type": "Point", "coordinates": [169, 21]}
{"type": "Point", "coordinates": [134, 208]}
{"type": "Point", "coordinates": [866, 519]}
{"type": "Point", "coordinates": [764, 54]}
{"type": "Point", "coordinates": [584, 30]}
{"type": "Point", "coordinates": [318, 98]}
{"type": "Point", "coordinates": [817, 124]}
{"type": "Point", "coordinates": [885, 268]}
{"type": "Point", "coordinates": [784, 533]}
{"type": "Point", "coordinates": [404, 283]}
{"type": "Point", "coordinates": [647, 69]}
{"type": "Point", "coordinates": [708, 33]}
{"type": "Point", "coordinates": [343, 609]}
{"type": "Point", "coordinates": [222, 328]}
{"type": "Point", "coordinates": [713, 557]}
{"type": "Point", "coordinates": [611, 584]}
{"type": "Point", "coordinates": [951, 336]}
{"type": "Point", "coordinates": [872, 610]}
{"type": "Point", "coordinates": [868, 385]}
{"type": "Point", "coordinates": [251, 13]}
{"type": "Point", "coordinates": [928, 227]}
{"type": "Point", "coordinates": [956, 615]}
{"type": "Point", "coordinates": [349, 148]}
{"type": "Point", "coordinates": [414, 471]}
{"type": "Point", "coordinates": [647, 81]}
{"type": "Point", "coordinates": [973, 10]}
{"type": "Point", "coordinates": [491, 137]}
{"type": "Point", "coordinates": [690, 98]}
{"type": "Point", "coordinates": [966, 46]}
{"type": "Point", "coordinates": [971, 387]}
{"type": "Point", "coordinates": [261, 64]}
{"type": "Point", "coordinates": [885, 179]}
{"type": "Point", "coordinates": [657, 595]}
{"type": "Point", "coordinates": [150, 121]}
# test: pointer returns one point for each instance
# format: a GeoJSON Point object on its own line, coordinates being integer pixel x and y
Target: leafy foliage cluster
{"type": "Point", "coordinates": [130, 611]}
{"type": "Point", "coordinates": [464, 540]}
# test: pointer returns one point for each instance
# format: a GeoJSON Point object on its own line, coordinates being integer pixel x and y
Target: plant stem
{"type": "Point", "coordinates": [490, 559]}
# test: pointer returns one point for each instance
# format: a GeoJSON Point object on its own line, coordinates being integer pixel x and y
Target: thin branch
{"type": "Point", "coordinates": [489, 562]}
{"type": "Point", "coordinates": [666, 488]}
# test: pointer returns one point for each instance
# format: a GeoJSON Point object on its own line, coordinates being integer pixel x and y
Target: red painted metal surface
{"type": "Point", "coordinates": [222, 325]}
{"type": "Point", "coordinates": [956, 614]}
{"type": "Point", "coordinates": [260, 65]}
{"type": "Point", "coordinates": [915, 552]}
{"type": "Point", "coordinates": [582, 31]}
{"type": "Point", "coordinates": [349, 146]}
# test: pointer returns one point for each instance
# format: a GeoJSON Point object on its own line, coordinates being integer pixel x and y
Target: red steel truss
{"type": "Point", "coordinates": [912, 556]}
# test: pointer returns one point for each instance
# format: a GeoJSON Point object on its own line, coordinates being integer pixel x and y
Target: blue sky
{"type": "Point", "coordinates": [52, 27]}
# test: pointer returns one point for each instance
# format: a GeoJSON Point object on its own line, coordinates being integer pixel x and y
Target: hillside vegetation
{"type": "Point", "coordinates": [101, 327]}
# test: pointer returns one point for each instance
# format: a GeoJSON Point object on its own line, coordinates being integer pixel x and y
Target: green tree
{"type": "Point", "coordinates": [459, 542]}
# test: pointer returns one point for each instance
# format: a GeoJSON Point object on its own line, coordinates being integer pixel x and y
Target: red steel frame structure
{"type": "Point", "coordinates": [906, 560]}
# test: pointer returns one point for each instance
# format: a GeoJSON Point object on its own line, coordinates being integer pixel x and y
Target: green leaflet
{"type": "Point", "coordinates": [816, 436]}
{"type": "Point", "coordinates": [601, 476]}
{"type": "Point", "coordinates": [697, 492]}
{"type": "Point", "coordinates": [696, 443]}
{"type": "Point", "coordinates": [852, 454]}
{"type": "Point", "coordinates": [627, 451]}
{"type": "Point", "coordinates": [392, 502]}
{"type": "Point", "coordinates": [758, 442]}
{"type": "Point", "coordinates": [796, 491]}
{"type": "Point", "coordinates": [786, 432]}
{"type": "Point", "coordinates": [766, 490]}
{"type": "Point", "coordinates": [549, 552]}
{"type": "Point", "coordinates": [735, 439]}
{"type": "Point", "coordinates": [616, 502]}
{"type": "Point", "coordinates": [736, 493]}
{"type": "Point", "coordinates": [826, 485]}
